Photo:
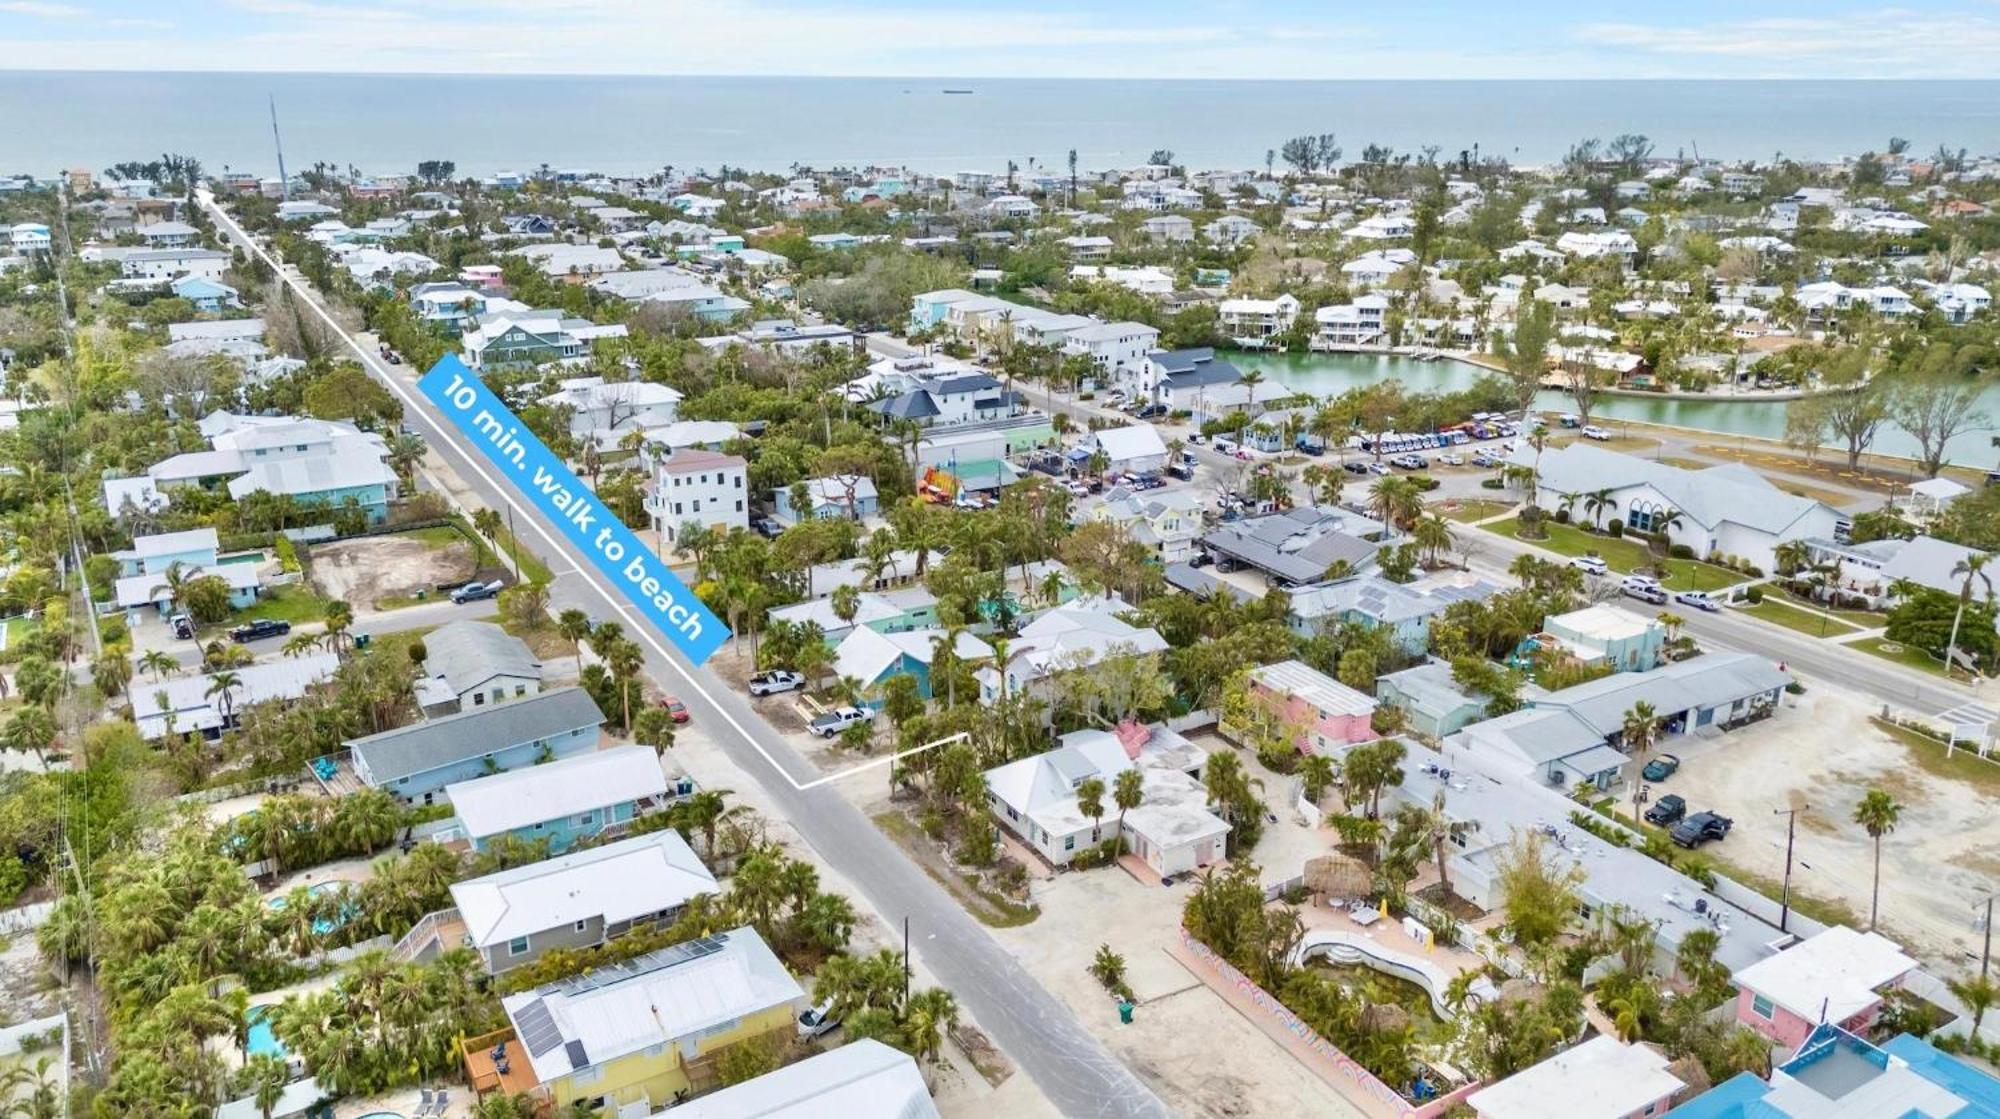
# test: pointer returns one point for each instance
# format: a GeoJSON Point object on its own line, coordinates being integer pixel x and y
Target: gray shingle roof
{"type": "Point", "coordinates": [467, 654]}
{"type": "Point", "coordinates": [425, 746]}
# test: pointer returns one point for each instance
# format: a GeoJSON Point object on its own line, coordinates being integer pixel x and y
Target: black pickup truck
{"type": "Point", "coordinates": [1700, 828]}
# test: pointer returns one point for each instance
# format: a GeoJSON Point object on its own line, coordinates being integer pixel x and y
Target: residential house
{"type": "Point", "coordinates": [1165, 522]}
{"type": "Point", "coordinates": [873, 655]}
{"type": "Point", "coordinates": [1145, 279]}
{"type": "Point", "coordinates": [1255, 323]}
{"type": "Point", "coordinates": [1376, 267]}
{"type": "Point", "coordinates": [1727, 510]}
{"type": "Point", "coordinates": [164, 265]}
{"type": "Point", "coordinates": [846, 495]}
{"type": "Point", "coordinates": [577, 900]}
{"type": "Point", "coordinates": [418, 761]}
{"type": "Point", "coordinates": [1172, 830]}
{"type": "Point", "coordinates": [574, 264]}
{"type": "Point", "coordinates": [635, 286]}
{"type": "Point", "coordinates": [195, 705]}
{"type": "Point", "coordinates": [339, 462]}
{"type": "Point", "coordinates": [1433, 703]}
{"type": "Point", "coordinates": [1324, 715]}
{"type": "Point", "coordinates": [1360, 323]}
{"type": "Point", "coordinates": [1609, 635]}
{"type": "Point", "coordinates": [148, 570]}
{"type": "Point", "coordinates": [862, 1079]}
{"type": "Point", "coordinates": [571, 799]}
{"type": "Point", "coordinates": [30, 238]}
{"type": "Point", "coordinates": [783, 336]}
{"type": "Point", "coordinates": [1369, 599]}
{"type": "Point", "coordinates": [1382, 227]}
{"type": "Point", "coordinates": [1589, 246]}
{"type": "Point", "coordinates": [511, 340]}
{"type": "Point", "coordinates": [1067, 638]}
{"type": "Point", "coordinates": [1093, 247]}
{"type": "Point", "coordinates": [1230, 229]}
{"type": "Point", "coordinates": [698, 487]}
{"type": "Point", "coordinates": [1838, 976]}
{"type": "Point", "coordinates": [451, 306]}
{"type": "Point", "coordinates": [1836, 1073]}
{"type": "Point", "coordinates": [207, 296]}
{"type": "Point", "coordinates": [1117, 348]}
{"type": "Point", "coordinates": [468, 665]}
{"type": "Point", "coordinates": [1171, 228]}
{"type": "Point", "coordinates": [603, 411]}
{"type": "Point", "coordinates": [1296, 547]}
{"type": "Point", "coordinates": [1177, 378]}
{"type": "Point", "coordinates": [652, 1029]}
{"type": "Point", "coordinates": [891, 611]}
{"type": "Point", "coordinates": [1603, 1078]}
{"type": "Point", "coordinates": [933, 392]}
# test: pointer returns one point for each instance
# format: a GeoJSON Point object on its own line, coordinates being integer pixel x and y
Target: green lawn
{"type": "Point", "coordinates": [1859, 619]}
{"type": "Point", "coordinates": [295, 604]}
{"type": "Point", "coordinates": [1808, 622]}
{"type": "Point", "coordinates": [18, 628]}
{"type": "Point", "coordinates": [1467, 510]}
{"type": "Point", "coordinates": [1623, 556]}
{"type": "Point", "coordinates": [1906, 655]}
{"type": "Point", "coordinates": [532, 567]}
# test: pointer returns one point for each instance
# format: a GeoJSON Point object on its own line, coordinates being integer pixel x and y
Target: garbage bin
{"type": "Point", "coordinates": [1125, 1011]}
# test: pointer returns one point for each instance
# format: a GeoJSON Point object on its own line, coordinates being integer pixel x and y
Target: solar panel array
{"type": "Point", "coordinates": [639, 965]}
{"type": "Point", "coordinates": [537, 1028]}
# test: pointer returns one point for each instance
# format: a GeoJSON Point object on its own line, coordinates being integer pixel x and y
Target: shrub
{"type": "Point", "coordinates": [1753, 595]}
{"type": "Point", "coordinates": [1492, 484]}
{"type": "Point", "coordinates": [288, 554]}
{"type": "Point", "coordinates": [1562, 516]}
{"type": "Point", "coordinates": [1680, 551]}
{"type": "Point", "coordinates": [1425, 482]}
{"type": "Point", "coordinates": [1616, 528]}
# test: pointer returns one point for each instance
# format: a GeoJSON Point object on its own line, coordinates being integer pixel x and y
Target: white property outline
{"type": "Point", "coordinates": [509, 494]}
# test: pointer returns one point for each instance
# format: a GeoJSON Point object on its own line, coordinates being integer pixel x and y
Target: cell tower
{"type": "Point", "coordinates": [284, 180]}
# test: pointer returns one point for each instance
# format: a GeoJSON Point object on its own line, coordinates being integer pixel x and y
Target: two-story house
{"type": "Point", "coordinates": [148, 570]}
{"type": "Point", "coordinates": [604, 411]}
{"type": "Point", "coordinates": [1118, 350]}
{"type": "Point", "coordinates": [706, 489]}
{"type": "Point", "coordinates": [469, 665]}
{"type": "Point", "coordinates": [1839, 977]}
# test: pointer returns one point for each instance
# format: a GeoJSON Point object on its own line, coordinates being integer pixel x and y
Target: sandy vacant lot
{"type": "Point", "coordinates": [1943, 857]}
{"type": "Point", "coordinates": [373, 568]}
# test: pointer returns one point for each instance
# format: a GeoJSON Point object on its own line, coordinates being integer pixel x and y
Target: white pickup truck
{"type": "Point", "coordinates": [839, 719]}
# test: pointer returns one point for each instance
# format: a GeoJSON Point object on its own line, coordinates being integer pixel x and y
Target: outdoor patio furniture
{"type": "Point", "coordinates": [1365, 915]}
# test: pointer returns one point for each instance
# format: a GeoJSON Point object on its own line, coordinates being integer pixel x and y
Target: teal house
{"type": "Point", "coordinates": [872, 657]}
{"type": "Point", "coordinates": [564, 801]}
{"type": "Point", "coordinates": [418, 762]}
{"type": "Point", "coordinates": [1433, 704]}
{"type": "Point", "coordinates": [208, 296]}
{"type": "Point", "coordinates": [145, 570]}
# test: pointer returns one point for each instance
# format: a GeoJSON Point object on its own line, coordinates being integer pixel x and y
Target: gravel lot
{"type": "Point", "coordinates": [368, 570]}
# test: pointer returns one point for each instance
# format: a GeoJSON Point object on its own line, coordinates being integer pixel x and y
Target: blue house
{"type": "Point", "coordinates": [418, 762]}
{"type": "Point", "coordinates": [930, 308]}
{"type": "Point", "coordinates": [348, 473]}
{"type": "Point", "coordinates": [145, 569]}
{"type": "Point", "coordinates": [208, 296]}
{"type": "Point", "coordinates": [564, 801]}
{"type": "Point", "coordinates": [847, 495]}
{"type": "Point", "coordinates": [872, 657]}
{"type": "Point", "coordinates": [1837, 1073]}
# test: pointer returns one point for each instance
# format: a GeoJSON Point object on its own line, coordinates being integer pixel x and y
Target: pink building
{"type": "Point", "coordinates": [1332, 715]}
{"type": "Point", "coordinates": [485, 277]}
{"type": "Point", "coordinates": [1838, 976]}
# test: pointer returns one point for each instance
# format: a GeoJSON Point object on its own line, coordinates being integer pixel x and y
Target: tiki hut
{"type": "Point", "coordinates": [1338, 876]}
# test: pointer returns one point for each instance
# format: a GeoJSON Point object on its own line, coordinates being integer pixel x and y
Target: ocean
{"type": "Point", "coordinates": [635, 125]}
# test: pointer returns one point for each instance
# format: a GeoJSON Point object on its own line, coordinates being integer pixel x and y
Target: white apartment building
{"type": "Point", "coordinates": [1359, 323]}
{"type": "Point", "coordinates": [707, 488]}
{"type": "Point", "coordinates": [1118, 349]}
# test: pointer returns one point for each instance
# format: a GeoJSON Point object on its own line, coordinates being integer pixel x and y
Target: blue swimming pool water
{"type": "Point", "coordinates": [261, 1039]}
{"type": "Point", "coordinates": [323, 925]}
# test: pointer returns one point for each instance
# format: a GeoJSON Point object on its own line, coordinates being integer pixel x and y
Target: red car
{"type": "Point", "coordinates": [675, 709]}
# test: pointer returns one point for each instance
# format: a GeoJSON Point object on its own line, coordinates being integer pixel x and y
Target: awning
{"type": "Point", "coordinates": [1593, 761]}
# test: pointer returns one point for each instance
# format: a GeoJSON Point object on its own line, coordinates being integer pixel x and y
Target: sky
{"type": "Point", "coordinates": [1243, 39]}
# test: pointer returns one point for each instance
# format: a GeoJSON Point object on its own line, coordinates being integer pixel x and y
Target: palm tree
{"type": "Point", "coordinates": [1318, 773]}
{"type": "Point", "coordinates": [406, 450]}
{"type": "Point", "coordinates": [574, 626]}
{"type": "Point", "coordinates": [1792, 555]}
{"type": "Point", "coordinates": [1128, 791]}
{"type": "Point", "coordinates": [1090, 802]}
{"type": "Point", "coordinates": [927, 1016]}
{"type": "Point", "coordinates": [625, 661]}
{"type": "Point", "coordinates": [159, 663]}
{"type": "Point", "coordinates": [339, 618]}
{"type": "Point", "coordinates": [846, 601]}
{"type": "Point", "coordinates": [1642, 725]}
{"type": "Point", "coordinates": [1877, 813]}
{"type": "Point", "coordinates": [1978, 994]}
{"type": "Point", "coordinates": [224, 685]}
{"type": "Point", "coordinates": [1250, 379]}
{"type": "Point", "coordinates": [1597, 503]}
{"type": "Point", "coordinates": [1972, 567]}
{"type": "Point", "coordinates": [1435, 536]}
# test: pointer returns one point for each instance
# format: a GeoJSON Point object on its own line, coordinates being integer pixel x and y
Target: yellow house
{"type": "Point", "coordinates": [642, 1031]}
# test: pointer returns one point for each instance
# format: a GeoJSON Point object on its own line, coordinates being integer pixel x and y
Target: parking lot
{"type": "Point", "coordinates": [1822, 756]}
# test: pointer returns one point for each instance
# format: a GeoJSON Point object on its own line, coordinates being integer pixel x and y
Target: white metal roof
{"type": "Point", "coordinates": [1839, 970]}
{"type": "Point", "coordinates": [1601, 1079]}
{"type": "Point", "coordinates": [582, 783]}
{"type": "Point", "coordinates": [1296, 678]}
{"type": "Point", "coordinates": [617, 882]}
{"type": "Point", "coordinates": [860, 1080]}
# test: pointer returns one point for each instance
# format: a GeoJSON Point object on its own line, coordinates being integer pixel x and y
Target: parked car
{"type": "Point", "coordinates": [675, 709]}
{"type": "Point", "coordinates": [1699, 600]}
{"type": "Point", "coordinates": [1410, 462]}
{"type": "Point", "coordinates": [258, 630]}
{"type": "Point", "coordinates": [1197, 438]}
{"type": "Point", "coordinates": [1378, 468]}
{"type": "Point", "coordinates": [1667, 810]}
{"type": "Point", "coordinates": [1450, 458]}
{"type": "Point", "coordinates": [767, 528]}
{"type": "Point", "coordinates": [1356, 467]}
{"type": "Point", "coordinates": [839, 719]}
{"type": "Point", "coordinates": [1661, 767]}
{"type": "Point", "coordinates": [1700, 828]}
{"type": "Point", "coordinates": [1200, 559]}
{"type": "Point", "coordinates": [473, 592]}
{"type": "Point", "coordinates": [183, 626]}
{"type": "Point", "coordinates": [1595, 432]}
{"type": "Point", "coordinates": [1182, 471]}
{"type": "Point", "coordinates": [775, 681]}
{"type": "Point", "coordinates": [1152, 410]}
{"type": "Point", "coordinates": [1590, 565]}
{"type": "Point", "coordinates": [1484, 459]}
{"type": "Point", "coordinates": [817, 1021]}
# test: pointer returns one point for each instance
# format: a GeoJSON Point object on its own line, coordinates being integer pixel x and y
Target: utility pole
{"type": "Point", "coordinates": [906, 961]}
{"type": "Point", "coordinates": [1791, 829]}
{"type": "Point", "coordinates": [284, 182]}
{"type": "Point", "coordinates": [1986, 952]}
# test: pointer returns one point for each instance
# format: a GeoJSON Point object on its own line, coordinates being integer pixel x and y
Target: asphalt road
{"type": "Point", "coordinates": [1825, 663]}
{"type": "Point", "coordinates": [1073, 1069]}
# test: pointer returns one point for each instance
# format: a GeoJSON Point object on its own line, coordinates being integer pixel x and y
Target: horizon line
{"type": "Point", "coordinates": [506, 74]}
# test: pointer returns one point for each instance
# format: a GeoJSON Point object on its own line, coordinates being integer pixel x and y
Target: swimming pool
{"type": "Point", "coordinates": [261, 1039]}
{"type": "Point", "coordinates": [323, 926]}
